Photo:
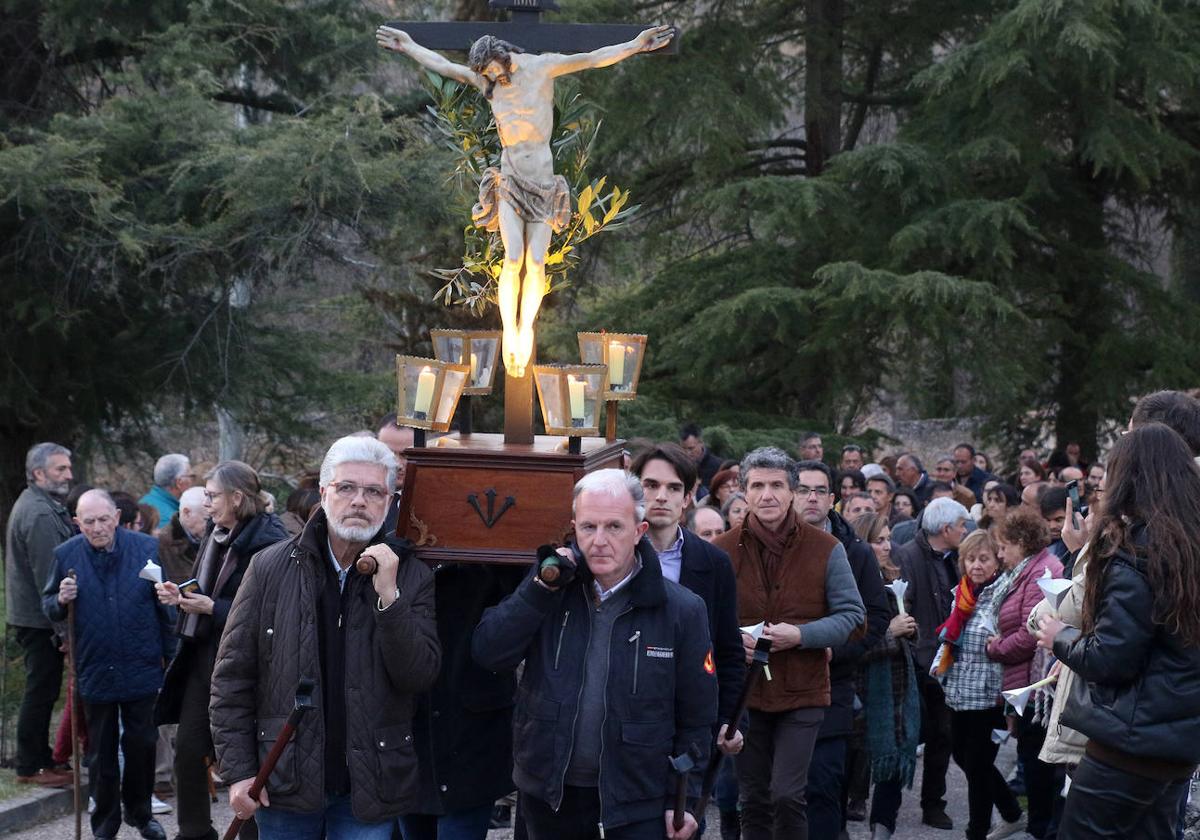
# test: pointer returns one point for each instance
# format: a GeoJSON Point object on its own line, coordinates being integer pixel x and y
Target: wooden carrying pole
{"type": "Point", "coordinates": [73, 691]}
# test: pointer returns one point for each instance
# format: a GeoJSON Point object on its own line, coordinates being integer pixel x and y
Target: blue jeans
{"type": "Point", "coordinates": [469, 824]}
{"type": "Point", "coordinates": [335, 822]}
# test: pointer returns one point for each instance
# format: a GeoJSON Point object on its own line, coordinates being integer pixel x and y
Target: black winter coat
{"type": "Point", "coordinates": [928, 602]}
{"type": "Point", "coordinates": [272, 640]}
{"type": "Point", "coordinates": [258, 533]}
{"type": "Point", "coordinates": [843, 668]}
{"type": "Point", "coordinates": [661, 694]}
{"type": "Point", "coordinates": [463, 727]}
{"type": "Point", "coordinates": [707, 571]}
{"type": "Point", "coordinates": [1143, 681]}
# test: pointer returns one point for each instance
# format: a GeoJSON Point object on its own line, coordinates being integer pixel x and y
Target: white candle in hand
{"type": "Point", "coordinates": [575, 391]}
{"type": "Point", "coordinates": [616, 363]}
{"type": "Point", "coordinates": [424, 392]}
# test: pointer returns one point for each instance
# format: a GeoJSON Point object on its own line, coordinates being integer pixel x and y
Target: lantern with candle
{"type": "Point", "coordinates": [429, 391]}
{"type": "Point", "coordinates": [478, 348]}
{"type": "Point", "coordinates": [570, 398]}
{"type": "Point", "coordinates": [623, 354]}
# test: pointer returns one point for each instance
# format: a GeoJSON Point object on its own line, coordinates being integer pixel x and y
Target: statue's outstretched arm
{"type": "Point", "coordinates": [654, 38]}
{"type": "Point", "coordinates": [400, 41]}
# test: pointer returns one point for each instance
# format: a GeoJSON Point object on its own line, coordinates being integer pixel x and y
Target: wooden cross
{"type": "Point", "coordinates": [527, 31]}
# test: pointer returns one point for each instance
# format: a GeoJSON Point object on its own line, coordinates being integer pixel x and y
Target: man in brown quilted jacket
{"type": "Point", "coordinates": [794, 580]}
{"type": "Point", "coordinates": [369, 642]}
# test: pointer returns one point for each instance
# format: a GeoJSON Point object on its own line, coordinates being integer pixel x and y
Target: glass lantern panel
{"type": "Point", "coordinates": [419, 382]}
{"type": "Point", "coordinates": [449, 348]}
{"type": "Point", "coordinates": [451, 389]}
{"type": "Point", "coordinates": [483, 359]}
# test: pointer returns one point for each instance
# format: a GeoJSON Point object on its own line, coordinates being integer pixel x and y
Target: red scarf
{"type": "Point", "coordinates": [950, 630]}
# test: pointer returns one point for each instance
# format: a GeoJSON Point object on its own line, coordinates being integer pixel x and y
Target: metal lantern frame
{"type": "Point", "coordinates": [433, 420]}
{"type": "Point", "coordinates": [441, 342]}
{"type": "Point", "coordinates": [593, 377]}
{"type": "Point", "coordinates": [591, 342]}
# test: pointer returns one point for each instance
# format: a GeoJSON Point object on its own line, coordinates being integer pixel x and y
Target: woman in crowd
{"type": "Point", "coordinates": [240, 528]}
{"type": "Point", "coordinates": [1031, 470]}
{"type": "Point", "coordinates": [849, 482]}
{"type": "Point", "coordinates": [1137, 657]}
{"type": "Point", "coordinates": [300, 505]}
{"type": "Point", "coordinates": [983, 461]}
{"type": "Point", "coordinates": [972, 683]}
{"type": "Point", "coordinates": [723, 485]}
{"type": "Point", "coordinates": [1021, 541]}
{"type": "Point", "coordinates": [884, 745]}
{"type": "Point", "coordinates": [944, 469]}
{"type": "Point", "coordinates": [904, 502]}
{"type": "Point", "coordinates": [735, 510]}
{"type": "Point", "coordinates": [997, 502]}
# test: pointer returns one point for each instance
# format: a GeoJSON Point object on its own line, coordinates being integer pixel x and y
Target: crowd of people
{"type": "Point", "coordinates": [794, 640]}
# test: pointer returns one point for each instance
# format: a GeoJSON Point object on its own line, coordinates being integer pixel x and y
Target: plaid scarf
{"type": "Point", "coordinates": [951, 629]}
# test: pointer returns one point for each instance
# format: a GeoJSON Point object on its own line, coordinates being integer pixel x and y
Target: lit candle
{"type": "Point", "coordinates": [425, 382]}
{"type": "Point", "coordinates": [475, 371]}
{"type": "Point", "coordinates": [616, 363]}
{"type": "Point", "coordinates": [575, 391]}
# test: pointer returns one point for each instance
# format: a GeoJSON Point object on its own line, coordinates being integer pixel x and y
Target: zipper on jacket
{"type": "Point", "coordinates": [562, 632]}
{"type": "Point", "coordinates": [587, 640]}
{"type": "Point", "coordinates": [604, 720]}
{"type": "Point", "coordinates": [633, 640]}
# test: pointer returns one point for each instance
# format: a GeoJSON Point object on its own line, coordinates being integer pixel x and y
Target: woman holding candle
{"type": "Point", "coordinates": [1022, 539]}
{"type": "Point", "coordinates": [971, 681]}
{"type": "Point", "coordinates": [884, 747]}
{"type": "Point", "coordinates": [1139, 648]}
{"type": "Point", "coordinates": [240, 528]}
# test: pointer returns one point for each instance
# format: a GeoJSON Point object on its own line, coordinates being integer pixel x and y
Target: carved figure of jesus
{"type": "Point", "coordinates": [523, 199]}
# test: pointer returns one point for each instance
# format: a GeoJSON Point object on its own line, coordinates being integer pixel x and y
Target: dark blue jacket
{"type": "Point", "coordinates": [707, 571]}
{"type": "Point", "coordinates": [122, 634]}
{"type": "Point", "coordinates": [661, 694]}
{"type": "Point", "coordinates": [976, 481]}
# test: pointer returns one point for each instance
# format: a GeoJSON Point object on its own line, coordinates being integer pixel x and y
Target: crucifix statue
{"type": "Point", "coordinates": [522, 199]}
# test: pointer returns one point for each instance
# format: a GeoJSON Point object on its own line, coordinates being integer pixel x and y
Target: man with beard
{"type": "Point", "coordinates": [370, 643]}
{"type": "Point", "coordinates": [38, 524]}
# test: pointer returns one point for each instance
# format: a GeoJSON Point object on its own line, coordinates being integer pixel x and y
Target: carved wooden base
{"type": "Point", "coordinates": [481, 500]}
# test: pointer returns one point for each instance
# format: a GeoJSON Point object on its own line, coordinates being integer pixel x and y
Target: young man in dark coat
{"type": "Point", "coordinates": [827, 772]}
{"type": "Point", "coordinates": [930, 565]}
{"type": "Point", "coordinates": [123, 639]}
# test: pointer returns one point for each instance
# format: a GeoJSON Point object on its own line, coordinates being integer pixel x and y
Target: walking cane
{"type": "Point", "coordinates": [304, 702]}
{"type": "Point", "coordinates": [758, 667]}
{"type": "Point", "coordinates": [73, 690]}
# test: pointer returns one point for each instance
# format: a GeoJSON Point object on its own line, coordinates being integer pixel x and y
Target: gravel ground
{"type": "Point", "coordinates": [909, 826]}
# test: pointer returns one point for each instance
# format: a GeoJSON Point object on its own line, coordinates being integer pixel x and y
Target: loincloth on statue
{"type": "Point", "coordinates": [533, 201]}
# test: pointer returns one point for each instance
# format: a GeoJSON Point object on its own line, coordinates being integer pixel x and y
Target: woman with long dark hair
{"type": "Point", "coordinates": [1138, 653]}
{"type": "Point", "coordinates": [240, 528]}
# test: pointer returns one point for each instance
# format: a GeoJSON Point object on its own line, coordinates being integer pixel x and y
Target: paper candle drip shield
{"type": "Point", "coordinates": [898, 588]}
{"type": "Point", "coordinates": [151, 572]}
{"type": "Point", "coordinates": [1018, 697]}
{"type": "Point", "coordinates": [1055, 589]}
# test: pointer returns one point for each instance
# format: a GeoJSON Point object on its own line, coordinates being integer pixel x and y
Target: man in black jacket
{"type": "Point", "coordinates": [691, 438]}
{"type": "Point", "coordinates": [827, 772]}
{"type": "Point", "coordinates": [619, 677]}
{"type": "Point", "coordinates": [930, 565]}
{"type": "Point", "coordinates": [668, 479]}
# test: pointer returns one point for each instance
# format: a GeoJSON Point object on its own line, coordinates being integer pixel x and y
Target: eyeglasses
{"type": "Point", "coordinates": [801, 490]}
{"type": "Point", "coordinates": [349, 490]}
{"type": "Point", "coordinates": [208, 497]}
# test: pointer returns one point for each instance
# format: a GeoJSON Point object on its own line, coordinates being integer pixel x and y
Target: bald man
{"type": "Point", "coordinates": [123, 637]}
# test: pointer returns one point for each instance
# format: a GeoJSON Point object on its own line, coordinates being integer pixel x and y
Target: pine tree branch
{"type": "Point", "coordinates": [274, 102]}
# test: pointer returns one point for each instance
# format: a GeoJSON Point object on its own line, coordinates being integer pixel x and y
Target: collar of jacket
{"type": "Point", "coordinates": [314, 539]}
{"type": "Point", "coordinates": [55, 505]}
{"type": "Point", "coordinates": [647, 588]}
{"type": "Point", "coordinates": [258, 532]}
{"type": "Point", "coordinates": [841, 530]}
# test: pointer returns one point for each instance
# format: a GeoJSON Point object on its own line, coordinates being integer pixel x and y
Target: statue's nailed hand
{"type": "Point", "coordinates": [655, 38]}
{"type": "Point", "coordinates": [392, 39]}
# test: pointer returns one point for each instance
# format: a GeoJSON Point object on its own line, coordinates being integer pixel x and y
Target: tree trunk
{"type": "Point", "coordinates": [232, 437]}
{"type": "Point", "coordinates": [822, 82]}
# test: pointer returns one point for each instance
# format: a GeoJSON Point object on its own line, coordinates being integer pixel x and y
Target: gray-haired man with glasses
{"type": "Point", "coordinates": [369, 642]}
